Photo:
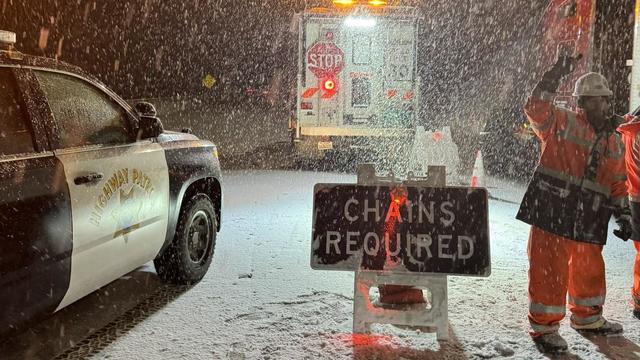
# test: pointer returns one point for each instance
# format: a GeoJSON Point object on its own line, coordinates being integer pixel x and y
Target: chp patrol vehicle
{"type": "Point", "coordinates": [91, 189]}
{"type": "Point", "coordinates": [357, 84]}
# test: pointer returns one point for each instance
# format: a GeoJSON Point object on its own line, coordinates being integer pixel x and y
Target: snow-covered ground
{"type": "Point", "coordinates": [261, 300]}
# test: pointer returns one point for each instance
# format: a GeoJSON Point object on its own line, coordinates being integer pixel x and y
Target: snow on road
{"type": "Point", "coordinates": [261, 300]}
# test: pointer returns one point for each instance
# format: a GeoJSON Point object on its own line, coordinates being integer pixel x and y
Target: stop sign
{"type": "Point", "coordinates": [325, 59]}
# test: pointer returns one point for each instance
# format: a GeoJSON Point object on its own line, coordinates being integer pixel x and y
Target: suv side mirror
{"type": "Point", "coordinates": [149, 127]}
{"type": "Point", "coordinates": [144, 108]}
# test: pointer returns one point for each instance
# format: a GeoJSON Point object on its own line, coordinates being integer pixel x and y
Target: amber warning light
{"type": "Point", "coordinates": [353, 2]}
{"type": "Point", "coordinates": [343, 2]}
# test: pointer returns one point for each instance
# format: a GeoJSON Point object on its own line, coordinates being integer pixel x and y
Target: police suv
{"type": "Point", "coordinates": [91, 188]}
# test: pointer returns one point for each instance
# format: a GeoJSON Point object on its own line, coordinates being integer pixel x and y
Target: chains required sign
{"type": "Point", "coordinates": [401, 229]}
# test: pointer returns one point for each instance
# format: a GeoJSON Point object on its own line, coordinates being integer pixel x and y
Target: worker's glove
{"type": "Point", "coordinates": [563, 67]}
{"type": "Point", "coordinates": [624, 230]}
{"type": "Point", "coordinates": [622, 215]}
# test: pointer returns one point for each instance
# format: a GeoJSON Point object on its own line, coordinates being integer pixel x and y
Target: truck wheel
{"type": "Point", "coordinates": [189, 255]}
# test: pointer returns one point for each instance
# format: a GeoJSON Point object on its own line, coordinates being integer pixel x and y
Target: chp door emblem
{"type": "Point", "coordinates": [126, 200]}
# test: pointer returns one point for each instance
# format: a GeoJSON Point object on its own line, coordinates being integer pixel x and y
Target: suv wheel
{"type": "Point", "coordinates": [189, 255]}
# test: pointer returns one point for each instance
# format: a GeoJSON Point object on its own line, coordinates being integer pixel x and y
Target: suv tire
{"type": "Point", "coordinates": [189, 255]}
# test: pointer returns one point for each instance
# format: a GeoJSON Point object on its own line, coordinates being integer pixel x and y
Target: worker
{"type": "Point", "coordinates": [629, 131]}
{"type": "Point", "coordinates": [578, 184]}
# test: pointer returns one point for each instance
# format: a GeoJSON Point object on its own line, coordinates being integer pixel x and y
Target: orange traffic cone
{"type": "Point", "coordinates": [477, 177]}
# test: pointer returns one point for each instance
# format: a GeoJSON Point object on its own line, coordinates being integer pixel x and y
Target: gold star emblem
{"type": "Point", "coordinates": [126, 221]}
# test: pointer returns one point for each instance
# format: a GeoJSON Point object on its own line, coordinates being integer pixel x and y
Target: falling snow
{"type": "Point", "coordinates": [228, 70]}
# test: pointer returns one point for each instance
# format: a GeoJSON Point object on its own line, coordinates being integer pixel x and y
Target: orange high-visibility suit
{"type": "Point", "coordinates": [629, 133]}
{"type": "Point", "coordinates": [578, 183]}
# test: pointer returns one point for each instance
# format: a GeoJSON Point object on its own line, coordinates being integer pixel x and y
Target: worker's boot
{"type": "Point", "coordinates": [551, 343]}
{"type": "Point", "coordinates": [600, 327]}
{"type": "Point", "coordinates": [636, 313]}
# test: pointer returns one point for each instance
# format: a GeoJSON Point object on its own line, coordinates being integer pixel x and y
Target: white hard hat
{"type": "Point", "coordinates": [592, 84]}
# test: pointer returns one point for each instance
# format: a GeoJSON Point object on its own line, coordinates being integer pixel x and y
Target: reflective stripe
{"type": "Point", "coordinates": [593, 301]}
{"type": "Point", "coordinates": [547, 96]}
{"type": "Point", "coordinates": [546, 309]}
{"type": "Point", "coordinates": [568, 133]}
{"type": "Point", "coordinates": [620, 177]}
{"type": "Point", "coordinates": [619, 152]}
{"type": "Point", "coordinates": [634, 198]}
{"type": "Point", "coordinates": [581, 133]}
{"type": "Point", "coordinates": [586, 320]}
{"type": "Point", "coordinates": [618, 201]}
{"type": "Point", "coordinates": [593, 186]}
{"type": "Point", "coordinates": [592, 325]}
{"type": "Point", "coordinates": [545, 125]}
{"type": "Point", "coordinates": [544, 329]}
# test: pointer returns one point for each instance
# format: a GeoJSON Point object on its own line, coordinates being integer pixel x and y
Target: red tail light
{"type": "Point", "coordinates": [329, 84]}
{"type": "Point", "coordinates": [306, 105]}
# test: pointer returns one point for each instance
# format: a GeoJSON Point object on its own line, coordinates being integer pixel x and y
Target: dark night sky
{"type": "Point", "coordinates": [151, 48]}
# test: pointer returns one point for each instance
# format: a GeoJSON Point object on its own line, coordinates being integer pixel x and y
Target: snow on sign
{"type": "Point", "coordinates": [325, 59]}
{"type": "Point", "coordinates": [401, 229]}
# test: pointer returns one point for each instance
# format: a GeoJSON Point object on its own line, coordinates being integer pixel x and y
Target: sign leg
{"type": "Point", "coordinates": [440, 306]}
{"type": "Point", "coordinates": [361, 303]}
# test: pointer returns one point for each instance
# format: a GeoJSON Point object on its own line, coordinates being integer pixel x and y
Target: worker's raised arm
{"type": "Point", "coordinates": [539, 109]}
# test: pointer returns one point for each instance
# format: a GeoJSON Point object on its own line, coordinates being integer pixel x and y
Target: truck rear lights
{"type": "Point", "coordinates": [306, 105]}
{"type": "Point", "coordinates": [329, 85]}
{"type": "Point", "coordinates": [329, 88]}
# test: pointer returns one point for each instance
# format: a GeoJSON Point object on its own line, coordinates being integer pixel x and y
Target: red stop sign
{"type": "Point", "coordinates": [325, 59]}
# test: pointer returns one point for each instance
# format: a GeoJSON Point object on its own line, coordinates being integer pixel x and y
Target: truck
{"type": "Point", "coordinates": [357, 83]}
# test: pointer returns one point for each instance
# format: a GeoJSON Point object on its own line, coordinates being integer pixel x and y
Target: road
{"type": "Point", "coordinates": [261, 300]}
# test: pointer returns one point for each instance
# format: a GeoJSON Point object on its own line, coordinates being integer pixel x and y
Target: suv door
{"type": "Point", "coordinates": [35, 211]}
{"type": "Point", "coordinates": [119, 187]}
